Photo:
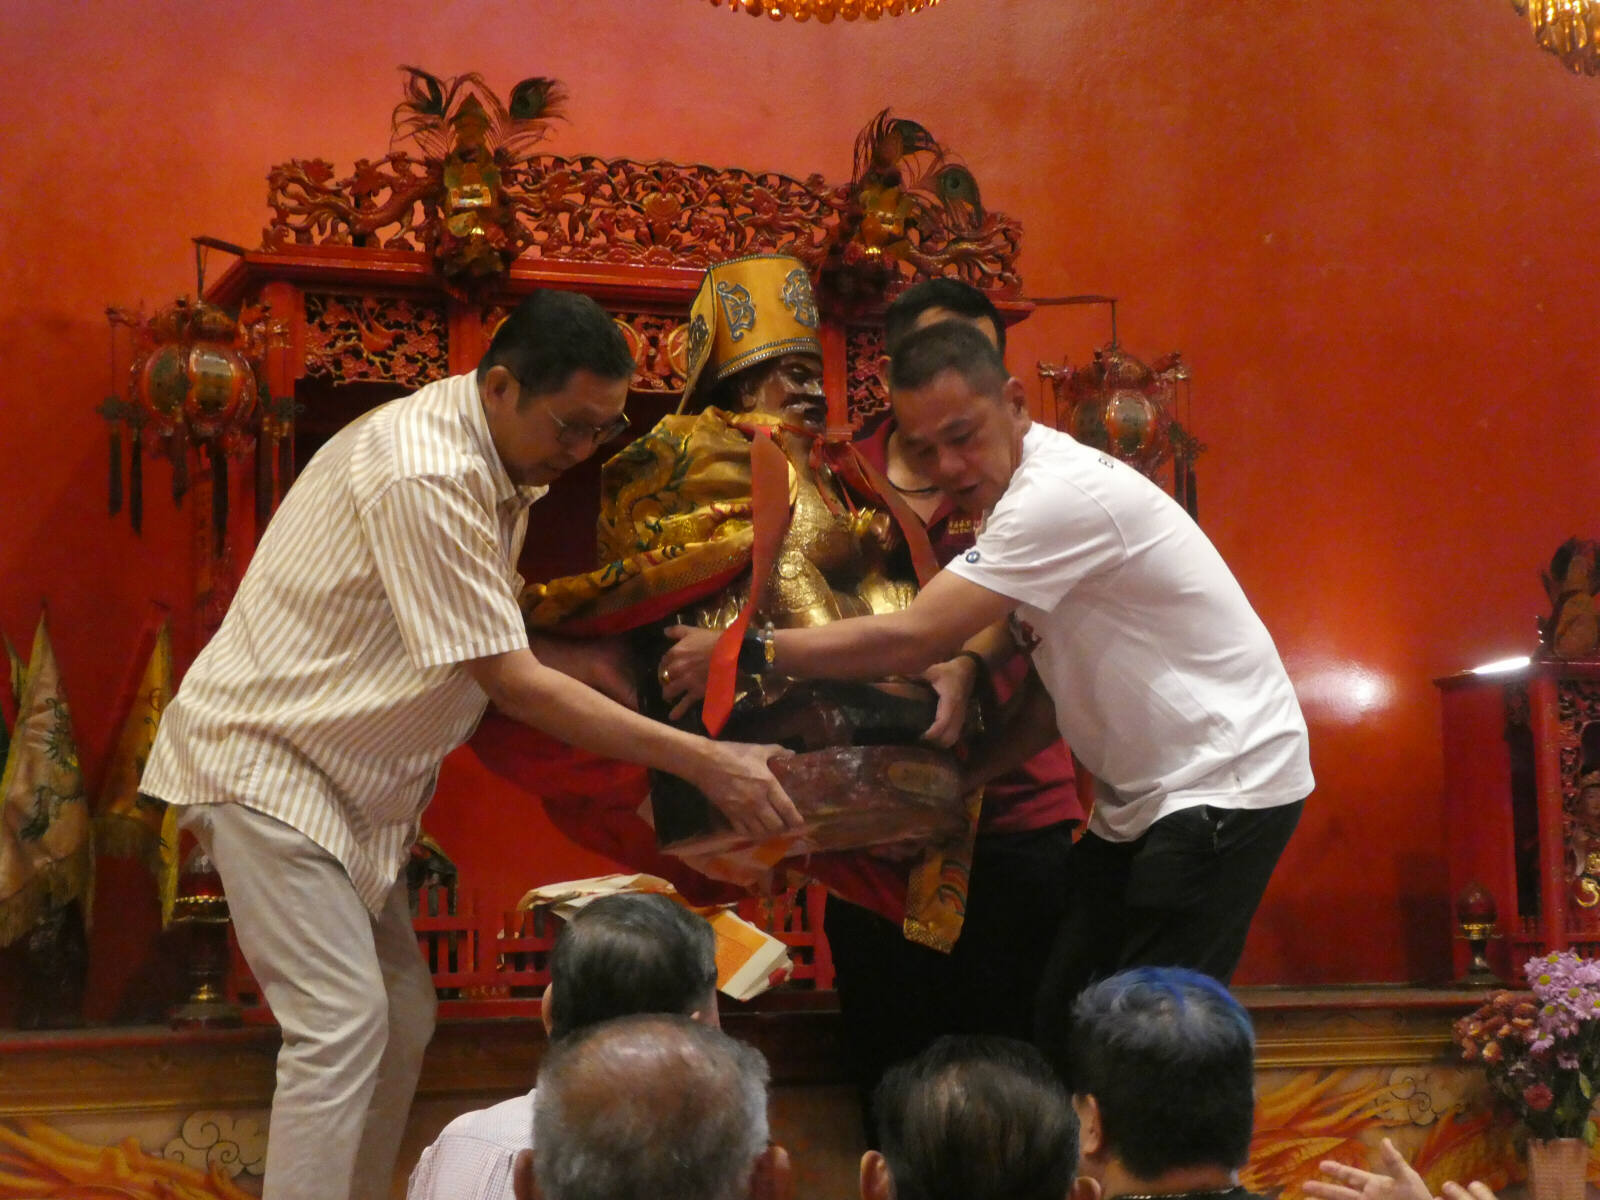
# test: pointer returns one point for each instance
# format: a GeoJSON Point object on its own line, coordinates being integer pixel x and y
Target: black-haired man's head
{"type": "Point", "coordinates": [631, 954]}
{"type": "Point", "coordinates": [1161, 1063]}
{"type": "Point", "coordinates": [972, 1118]}
{"type": "Point", "coordinates": [960, 417]}
{"type": "Point", "coordinates": [553, 384]}
{"type": "Point", "coordinates": [934, 300]}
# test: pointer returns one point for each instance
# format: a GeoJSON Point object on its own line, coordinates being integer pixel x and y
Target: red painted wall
{"type": "Point", "coordinates": [1365, 226]}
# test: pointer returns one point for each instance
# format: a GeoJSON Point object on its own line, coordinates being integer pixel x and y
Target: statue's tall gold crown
{"type": "Point", "coordinates": [749, 310]}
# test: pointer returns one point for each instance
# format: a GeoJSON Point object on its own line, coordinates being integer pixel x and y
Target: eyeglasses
{"type": "Point", "coordinates": [573, 434]}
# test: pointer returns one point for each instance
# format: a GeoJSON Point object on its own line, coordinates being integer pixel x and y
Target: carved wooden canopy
{"type": "Point", "coordinates": [396, 273]}
{"type": "Point", "coordinates": [474, 197]}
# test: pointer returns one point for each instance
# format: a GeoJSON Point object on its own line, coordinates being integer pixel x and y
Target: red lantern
{"type": "Point", "coordinates": [1119, 405]}
{"type": "Point", "coordinates": [192, 383]}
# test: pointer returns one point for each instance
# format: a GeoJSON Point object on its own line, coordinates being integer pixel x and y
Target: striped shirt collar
{"type": "Point", "coordinates": [476, 422]}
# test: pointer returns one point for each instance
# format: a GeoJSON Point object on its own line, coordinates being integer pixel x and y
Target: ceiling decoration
{"type": "Point", "coordinates": [825, 10]}
{"type": "Point", "coordinates": [1569, 29]}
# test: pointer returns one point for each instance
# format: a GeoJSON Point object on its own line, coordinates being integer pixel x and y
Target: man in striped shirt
{"type": "Point", "coordinates": [376, 621]}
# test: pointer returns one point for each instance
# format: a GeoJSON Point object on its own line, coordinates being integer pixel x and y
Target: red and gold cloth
{"type": "Point", "coordinates": [129, 824]}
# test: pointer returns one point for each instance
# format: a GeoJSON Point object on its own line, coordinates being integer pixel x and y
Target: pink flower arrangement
{"type": "Point", "coordinates": [1540, 1049]}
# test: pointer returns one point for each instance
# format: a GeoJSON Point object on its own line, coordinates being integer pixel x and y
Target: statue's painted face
{"type": "Point", "coordinates": [790, 387]}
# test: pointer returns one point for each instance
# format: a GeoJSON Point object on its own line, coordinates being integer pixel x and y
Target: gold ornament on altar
{"type": "Point", "coordinates": [469, 140]}
{"type": "Point", "coordinates": [461, 193]}
{"type": "Point", "coordinates": [1569, 29]}
{"type": "Point", "coordinates": [825, 10]}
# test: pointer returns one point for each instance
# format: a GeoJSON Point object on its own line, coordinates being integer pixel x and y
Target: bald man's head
{"type": "Point", "coordinates": [653, 1107]}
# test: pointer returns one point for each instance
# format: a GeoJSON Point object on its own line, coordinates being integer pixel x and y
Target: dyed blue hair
{"type": "Point", "coordinates": [1169, 1056]}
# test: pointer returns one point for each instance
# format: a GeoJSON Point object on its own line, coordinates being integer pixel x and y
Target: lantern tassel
{"type": "Point", "coordinates": [219, 497]}
{"type": "Point", "coordinates": [114, 473]}
{"type": "Point", "coordinates": [178, 451]}
{"type": "Point", "coordinates": [136, 481]}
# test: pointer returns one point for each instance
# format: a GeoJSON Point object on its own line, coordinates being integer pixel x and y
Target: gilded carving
{"type": "Point", "coordinates": [476, 200]}
{"type": "Point", "coordinates": [866, 389]}
{"type": "Point", "coordinates": [384, 339]}
{"type": "Point", "coordinates": [660, 346]}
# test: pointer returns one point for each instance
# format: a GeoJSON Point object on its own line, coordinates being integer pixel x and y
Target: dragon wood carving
{"type": "Point", "coordinates": [475, 199]}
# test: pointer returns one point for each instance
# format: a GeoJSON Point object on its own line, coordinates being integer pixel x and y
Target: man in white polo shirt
{"type": "Point", "coordinates": [1163, 679]}
{"type": "Point", "coordinates": [376, 621]}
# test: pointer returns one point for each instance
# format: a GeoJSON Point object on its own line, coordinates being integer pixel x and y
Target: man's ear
{"type": "Point", "coordinates": [500, 388]}
{"type": "Point", "coordinates": [1084, 1188]}
{"type": "Point", "coordinates": [547, 1008]}
{"type": "Point", "coordinates": [1091, 1134]}
{"type": "Point", "coordinates": [876, 1182]}
{"type": "Point", "coordinates": [708, 1013]}
{"type": "Point", "coordinates": [523, 1185]}
{"type": "Point", "coordinates": [770, 1177]}
{"type": "Point", "coordinates": [1015, 396]}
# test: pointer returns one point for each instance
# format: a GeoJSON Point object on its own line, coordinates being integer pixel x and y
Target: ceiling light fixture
{"type": "Point", "coordinates": [825, 10]}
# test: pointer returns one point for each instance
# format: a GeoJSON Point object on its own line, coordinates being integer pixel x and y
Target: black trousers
{"type": "Point", "coordinates": [897, 997]}
{"type": "Point", "coordinates": [1181, 895]}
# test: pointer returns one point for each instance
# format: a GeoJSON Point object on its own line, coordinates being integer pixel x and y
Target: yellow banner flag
{"type": "Point", "coordinates": [46, 858]}
{"type": "Point", "coordinates": [130, 825]}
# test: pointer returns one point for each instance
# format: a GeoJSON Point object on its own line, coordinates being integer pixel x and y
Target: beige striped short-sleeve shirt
{"type": "Point", "coordinates": [334, 688]}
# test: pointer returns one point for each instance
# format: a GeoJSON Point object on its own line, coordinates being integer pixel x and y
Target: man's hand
{"type": "Point", "coordinates": [737, 779]}
{"type": "Point", "coordinates": [952, 682]}
{"type": "Point", "coordinates": [1396, 1181]}
{"type": "Point", "coordinates": [684, 668]}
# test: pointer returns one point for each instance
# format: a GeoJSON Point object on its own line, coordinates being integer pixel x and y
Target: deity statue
{"type": "Point", "coordinates": [689, 534]}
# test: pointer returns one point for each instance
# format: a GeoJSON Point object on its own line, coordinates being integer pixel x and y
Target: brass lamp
{"type": "Point", "coordinates": [1476, 915]}
{"type": "Point", "coordinates": [201, 910]}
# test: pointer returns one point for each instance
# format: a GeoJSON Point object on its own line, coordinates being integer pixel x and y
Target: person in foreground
{"type": "Point", "coordinates": [1397, 1180]}
{"type": "Point", "coordinates": [377, 619]}
{"type": "Point", "coordinates": [989, 982]}
{"type": "Point", "coordinates": [618, 955]}
{"type": "Point", "coordinates": [1150, 661]}
{"type": "Point", "coordinates": [972, 1118]}
{"type": "Point", "coordinates": [654, 1108]}
{"type": "Point", "coordinates": [1161, 1065]}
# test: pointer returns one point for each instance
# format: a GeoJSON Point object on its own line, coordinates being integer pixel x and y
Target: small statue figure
{"type": "Point", "coordinates": [474, 239]}
{"type": "Point", "coordinates": [1573, 585]}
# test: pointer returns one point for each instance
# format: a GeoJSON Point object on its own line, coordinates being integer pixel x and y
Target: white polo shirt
{"type": "Point", "coordinates": [334, 688]}
{"type": "Point", "coordinates": [1165, 682]}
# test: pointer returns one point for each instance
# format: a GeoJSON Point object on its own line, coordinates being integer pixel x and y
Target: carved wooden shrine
{"type": "Point", "coordinates": [397, 273]}
{"type": "Point", "coordinates": [1522, 804]}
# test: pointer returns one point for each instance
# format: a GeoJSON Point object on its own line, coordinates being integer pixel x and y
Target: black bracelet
{"type": "Point", "coordinates": [752, 653]}
{"type": "Point", "coordinates": [982, 664]}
